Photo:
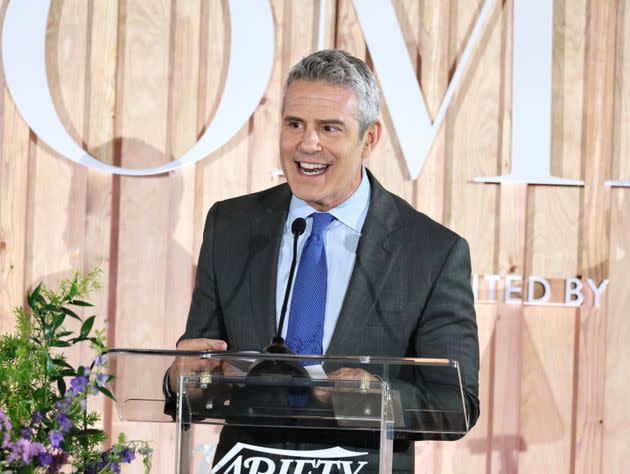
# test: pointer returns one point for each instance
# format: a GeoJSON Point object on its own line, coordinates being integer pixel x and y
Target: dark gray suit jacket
{"type": "Point", "coordinates": [409, 294]}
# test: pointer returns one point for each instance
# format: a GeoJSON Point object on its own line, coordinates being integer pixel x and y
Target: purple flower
{"type": "Point", "coordinates": [5, 425]}
{"type": "Point", "coordinates": [37, 418]}
{"type": "Point", "coordinates": [127, 455]}
{"type": "Point", "coordinates": [58, 461]}
{"type": "Point", "coordinates": [64, 422]}
{"type": "Point", "coordinates": [99, 361]}
{"type": "Point", "coordinates": [145, 451]}
{"type": "Point", "coordinates": [45, 458]}
{"type": "Point", "coordinates": [26, 433]}
{"type": "Point", "coordinates": [14, 455]}
{"type": "Point", "coordinates": [25, 450]}
{"type": "Point", "coordinates": [79, 384]}
{"type": "Point", "coordinates": [31, 450]}
{"type": "Point", "coordinates": [70, 396]}
{"type": "Point", "coordinates": [101, 379]}
{"type": "Point", "coordinates": [63, 405]}
{"type": "Point", "coordinates": [55, 438]}
{"type": "Point", "coordinates": [4, 420]}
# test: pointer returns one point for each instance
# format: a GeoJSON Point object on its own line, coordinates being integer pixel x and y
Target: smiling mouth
{"type": "Point", "coordinates": [312, 169]}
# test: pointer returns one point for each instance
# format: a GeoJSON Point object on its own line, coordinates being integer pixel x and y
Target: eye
{"type": "Point", "coordinates": [296, 124]}
{"type": "Point", "coordinates": [331, 128]}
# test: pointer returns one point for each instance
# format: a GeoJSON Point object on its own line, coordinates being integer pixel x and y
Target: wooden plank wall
{"type": "Point", "coordinates": [136, 82]}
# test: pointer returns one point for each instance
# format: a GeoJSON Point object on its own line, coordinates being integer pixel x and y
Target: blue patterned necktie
{"type": "Point", "coordinates": [308, 304]}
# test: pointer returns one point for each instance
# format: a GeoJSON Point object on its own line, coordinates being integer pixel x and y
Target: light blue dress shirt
{"type": "Point", "coordinates": [341, 241]}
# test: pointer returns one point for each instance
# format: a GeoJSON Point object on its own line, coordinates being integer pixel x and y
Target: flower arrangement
{"type": "Point", "coordinates": [44, 423]}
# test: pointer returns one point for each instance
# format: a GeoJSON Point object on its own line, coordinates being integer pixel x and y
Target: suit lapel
{"type": "Point", "coordinates": [376, 254]}
{"type": "Point", "coordinates": [266, 237]}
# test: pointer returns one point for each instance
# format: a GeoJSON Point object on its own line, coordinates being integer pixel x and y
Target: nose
{"type": "Point", "coordinates": [310, 141]}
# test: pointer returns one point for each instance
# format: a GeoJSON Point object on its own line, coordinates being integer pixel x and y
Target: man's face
{"type": "Point", "coordinates": [320, 147]}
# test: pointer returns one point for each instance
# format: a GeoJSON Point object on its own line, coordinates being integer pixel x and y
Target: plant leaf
{"type": "Point", "coordinates": [58, 320]}
{"type": "Point", "coordinates": [49, 308]}
{"type": "Point", "coordinates": [80, 303]}
{"type": "Point", "coordinates": [86, 327]}
{"type": "Point", "coordinates": [34, 296]}
{"type": "Point", "coordinates": [70, 313]}
{"type": "Point", "coordinates": [50, 365]}
{"type": "Point", "coordinates": [61, 385]}
{"type": "Point", "coordinates": [107, 393]}
{"type": "Point", "coordinates": [60, 343]}
{"type": "Point", "coordinates": [62, 363]}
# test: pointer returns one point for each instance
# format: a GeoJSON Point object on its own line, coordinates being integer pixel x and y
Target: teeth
{"type": "Point", "coordinates": [312, 168]}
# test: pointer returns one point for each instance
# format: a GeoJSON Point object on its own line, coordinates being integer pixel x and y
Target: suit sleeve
{"type": "Point", "coordinates": [205, 317]}
{"type": "Point", "coordinates": [447, 325]}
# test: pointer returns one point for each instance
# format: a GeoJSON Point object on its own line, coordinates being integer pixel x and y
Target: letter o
{"type": "Point", "coordinates": [24, 58]}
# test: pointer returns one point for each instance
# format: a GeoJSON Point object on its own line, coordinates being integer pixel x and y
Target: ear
{"type": "Point", "coordinates": [371, 138]}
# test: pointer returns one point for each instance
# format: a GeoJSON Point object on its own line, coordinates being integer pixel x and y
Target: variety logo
{"type": "Point", "coordinates": [248, 458]}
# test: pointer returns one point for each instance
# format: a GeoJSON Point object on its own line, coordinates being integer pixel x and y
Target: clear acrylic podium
{"type": "Point", "coordinates": [273, 396]}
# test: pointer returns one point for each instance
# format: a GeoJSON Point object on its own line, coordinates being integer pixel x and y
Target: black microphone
{"type": "Point", "coordinates": [278, 345]}
{"type": "Point", "coordinates": [274, 383]}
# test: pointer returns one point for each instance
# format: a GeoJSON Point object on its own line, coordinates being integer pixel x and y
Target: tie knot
{"type": "Point", "coordinates": [320, 222]}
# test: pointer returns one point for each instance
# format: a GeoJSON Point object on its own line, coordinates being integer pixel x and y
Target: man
{"type": "Point", "coordinates": [395, 283]}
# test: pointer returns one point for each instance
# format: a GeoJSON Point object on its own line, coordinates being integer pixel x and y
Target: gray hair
{"type": "Point", "coordinates": [339, 67]}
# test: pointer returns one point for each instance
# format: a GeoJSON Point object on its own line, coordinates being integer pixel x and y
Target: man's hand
{"type": "Point", "coordinates": [189, 364]}
{"type": "Point", "coordinates": [345, 373]}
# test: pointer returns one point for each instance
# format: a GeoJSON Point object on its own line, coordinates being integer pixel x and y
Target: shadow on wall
{"type": "Point", "coordinates": [545, 427]}
{"type": "Point", "coordinates": [120, 222]}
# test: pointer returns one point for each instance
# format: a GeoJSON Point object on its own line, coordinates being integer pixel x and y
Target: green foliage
{"type": "Point", "coordinates": [44, 423]}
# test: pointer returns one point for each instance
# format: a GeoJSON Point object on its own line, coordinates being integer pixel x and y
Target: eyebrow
{"type": "Point", "coordinates": [333, 122]}
{"type": "Point", "coordinates": [290, 118]}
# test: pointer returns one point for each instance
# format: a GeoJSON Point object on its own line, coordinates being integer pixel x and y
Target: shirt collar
{"type": "Point", "coordinates": [350, 212]}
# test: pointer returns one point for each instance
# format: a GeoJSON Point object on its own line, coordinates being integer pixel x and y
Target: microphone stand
{"type": "Point", "coordinates": [282, 384]}
{"type": "Point", "coordinates": [278, 344]}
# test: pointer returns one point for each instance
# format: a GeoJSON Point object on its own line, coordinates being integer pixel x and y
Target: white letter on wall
{"type": "Point", "coordinates": [573, 287]}
{"type": "Point", "coordinates": [512, 290]}
{"type": "Point", "coordinates": [531, 96]}
{"type": "Point", "coordinates": [249, 70]}
{"type": "Point", "coordinates": [492, 285]}
{"type": "Point", "coordinates": [620, 184]}
{"type": "Point", "coordinates": [404, 98]}
{"type": "Point", "coordinates": [597, 290]}
{"type": "Point", "coordinates": [531, 286]}
{"type": "Point", "coordinates": [475, 287]}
